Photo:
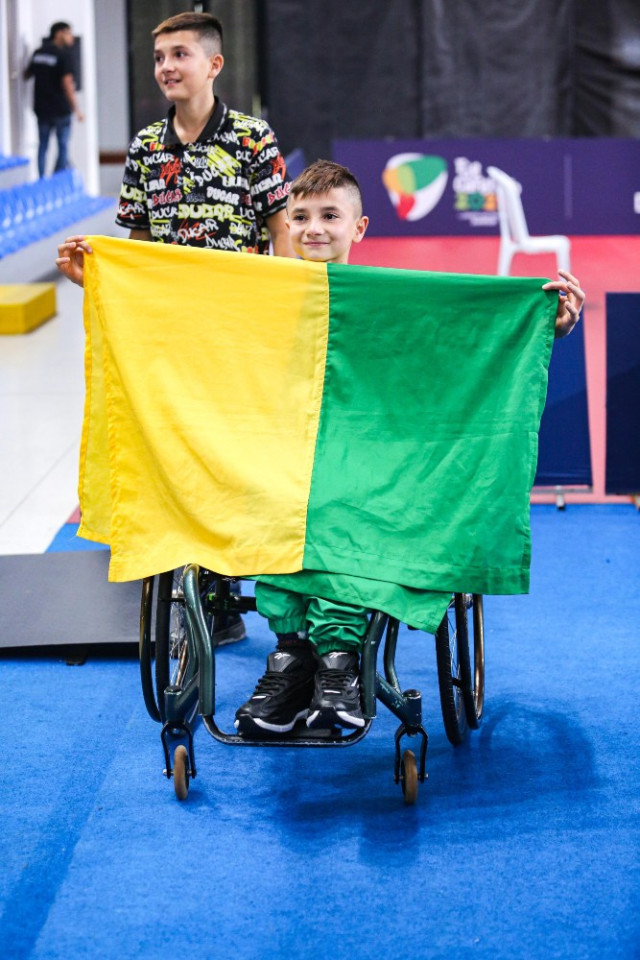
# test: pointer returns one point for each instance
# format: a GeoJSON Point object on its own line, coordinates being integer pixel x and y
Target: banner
{"type": "Point", "coordinates": [441, 188]}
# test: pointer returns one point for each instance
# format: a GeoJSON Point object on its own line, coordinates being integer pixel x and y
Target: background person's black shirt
{"type": "Point", "coordinates": [48, 66]}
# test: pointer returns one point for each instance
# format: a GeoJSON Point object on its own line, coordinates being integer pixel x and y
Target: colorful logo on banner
{"type": "Point", "coordinates": [475, 194]}
{"type": "Point", "coordinates": [415, 183]}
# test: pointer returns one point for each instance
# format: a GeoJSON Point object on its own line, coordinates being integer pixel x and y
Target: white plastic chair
{"type": "Point", "coordinates": [514, 235]}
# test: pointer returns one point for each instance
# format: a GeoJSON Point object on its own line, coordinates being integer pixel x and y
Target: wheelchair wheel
{"type": "Point", "coordinates": [146, 648]}
{"type": "Point", "coordinates": [451, 648]}
{"type": "Point", "coordinates": [409, 777]}
{"type": "Point", "coordinates": [181, 772]}
{"type": "Point", "coordinates": [470, 626]}
{"type": "Point", "coordinates": [172, 649]}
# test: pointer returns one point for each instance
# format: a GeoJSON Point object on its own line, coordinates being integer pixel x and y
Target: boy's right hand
{"type": "Point", "coordinates": [70, 259]}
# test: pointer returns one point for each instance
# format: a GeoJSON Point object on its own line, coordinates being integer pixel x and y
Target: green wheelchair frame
{"type": "Point", "coordinates": [178, 674]}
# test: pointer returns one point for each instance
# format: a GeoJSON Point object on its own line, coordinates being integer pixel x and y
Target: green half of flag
{"type": "Point", "coordinates": [264, 416]}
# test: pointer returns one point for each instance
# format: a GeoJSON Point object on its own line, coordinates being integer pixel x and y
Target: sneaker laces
{"type": "Point", "coordinates": [339, 678]}
{"type": "Point", "coordinates": [272, 682]}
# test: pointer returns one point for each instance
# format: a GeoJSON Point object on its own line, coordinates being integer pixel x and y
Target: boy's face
{"type": "Point", "coordinates": [183, 70]}
{"type": "Point", "coordinates": [323, 227]}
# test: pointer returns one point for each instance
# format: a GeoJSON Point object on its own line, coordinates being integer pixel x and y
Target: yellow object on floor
{"type": "Point", "coordinates": [24, 306]}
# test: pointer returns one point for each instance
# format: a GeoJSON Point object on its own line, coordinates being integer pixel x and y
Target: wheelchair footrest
{"type": "Point", "coordinates": [300, 736]}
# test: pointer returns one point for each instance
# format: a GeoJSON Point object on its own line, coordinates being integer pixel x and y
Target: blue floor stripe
{"type": "Point", "coordinates": [66, 539]}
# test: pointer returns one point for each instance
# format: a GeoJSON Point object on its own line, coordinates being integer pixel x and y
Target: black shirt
{"type": "Point", "coordinates": [49, 65]}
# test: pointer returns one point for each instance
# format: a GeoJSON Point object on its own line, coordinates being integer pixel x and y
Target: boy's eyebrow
{"type": "Point", "coordinates": [172, 48]}
{"type": "Point", "coordinates": [327, 207]}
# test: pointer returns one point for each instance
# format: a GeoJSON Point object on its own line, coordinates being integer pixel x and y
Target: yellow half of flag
{"type": "Point", "coordinates": [169, 367]}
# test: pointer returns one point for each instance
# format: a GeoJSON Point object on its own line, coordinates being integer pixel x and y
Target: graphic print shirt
{"type": "Point", "coordinates": [216, 192]}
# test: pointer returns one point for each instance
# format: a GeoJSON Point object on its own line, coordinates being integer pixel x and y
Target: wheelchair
{"type": "Point", "coordinates": [182, 610]}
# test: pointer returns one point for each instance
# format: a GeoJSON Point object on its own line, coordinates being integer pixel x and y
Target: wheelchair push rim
{"type": "Point", "coordinates": [461, 678]}
{"type": "Point", "coordinates": [165, 657]}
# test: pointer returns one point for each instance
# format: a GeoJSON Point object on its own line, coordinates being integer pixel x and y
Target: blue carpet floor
{"type": "Point", "coordinates": [525, 843]}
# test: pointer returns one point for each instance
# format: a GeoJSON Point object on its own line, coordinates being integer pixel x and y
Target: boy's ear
{"type": "Point", "coordinates": [216, 63]}
{"type": "Point", "coordinates": [361, 229]}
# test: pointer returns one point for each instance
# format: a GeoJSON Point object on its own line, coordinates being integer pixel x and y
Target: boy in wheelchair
{"type": "Point", "coordinates": [313, 674]}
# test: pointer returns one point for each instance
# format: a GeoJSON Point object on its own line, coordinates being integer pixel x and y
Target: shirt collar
{"type": "Point", "coordinates": [214, 123]}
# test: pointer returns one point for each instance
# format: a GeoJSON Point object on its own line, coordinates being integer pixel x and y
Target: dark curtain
{"type": "Point", "coordinates": [607, 69]}
{"type": "Point", "coordinates": [333, 69]}
{"type": "Point", "coordinates": [339, 69]}
{"type": "Point", "coordinates": [496, 68]}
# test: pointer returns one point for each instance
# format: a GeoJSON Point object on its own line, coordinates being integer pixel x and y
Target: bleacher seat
{"type": "Point", "coordinates": [13, 170]}
{"type": "Point", "coordinates": [33, 211]}
{"type": "Point", "coordinates": [7, 163]}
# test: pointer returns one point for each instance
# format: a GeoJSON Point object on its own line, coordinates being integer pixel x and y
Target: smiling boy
{"type": "Point", "coordinates": [206, 175]}
{"type": "Point", "coordinates": [323, 224]}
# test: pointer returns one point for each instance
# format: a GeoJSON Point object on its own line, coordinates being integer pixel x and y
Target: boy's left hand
{"type": "Point", "coordinates": [570, 302]}
{"type": "Point", "coordinates": [70, 259]}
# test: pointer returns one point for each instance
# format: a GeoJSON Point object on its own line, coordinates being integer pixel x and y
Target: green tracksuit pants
{"type": "Point", "coordinates": [330, 625]}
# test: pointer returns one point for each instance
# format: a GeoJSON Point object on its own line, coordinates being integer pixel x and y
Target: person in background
{"type": "Point", "coordinates": [54, 98]}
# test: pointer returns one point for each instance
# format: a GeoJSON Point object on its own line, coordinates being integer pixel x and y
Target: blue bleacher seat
{"type": "Point", "coordinates": [6, 163]}
{"type": "Point", "coordinates": [33, 211]}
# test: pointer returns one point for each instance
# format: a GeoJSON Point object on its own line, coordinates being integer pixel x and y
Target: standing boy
{"type": "Point", "coordinates": [206, 175]}
{"type": "Point", "coordinates": [313, 673]}
{"type": "Point", "coordinates": [54, 95]}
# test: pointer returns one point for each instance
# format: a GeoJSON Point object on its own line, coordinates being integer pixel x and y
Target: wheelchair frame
{"type": "Point", "coordinates": [207, 602]}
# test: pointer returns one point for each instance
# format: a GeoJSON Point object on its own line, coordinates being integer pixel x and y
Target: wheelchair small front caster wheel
{"type": "Point", "coordinates": [409, 777]}
{"type": "Point", "coordinates": [181, 772]}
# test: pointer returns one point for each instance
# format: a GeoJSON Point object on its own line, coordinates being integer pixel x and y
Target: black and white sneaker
{"type": "Point", "coordinates": [232, 626]}
{"type": "Point", "coordinates": [336, 698]}
{"type": "Point", "coordinates": [233, 631]}
{"type": "Point", "coordinates": [282, 695]}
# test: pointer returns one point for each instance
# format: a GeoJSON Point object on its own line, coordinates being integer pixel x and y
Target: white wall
{"type": "Point", "coordinates": [5, 127]}
{"type": "Point", "coordinates": [15, 25]}
{"type": "Point", "coordinates": [112, 75]}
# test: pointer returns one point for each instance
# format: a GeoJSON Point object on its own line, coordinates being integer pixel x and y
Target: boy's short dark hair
{"type": "Point", "coordinates": [57, 26]}
{"type": "Point", "coordinates": [324, 175]}
{"type": "Point", "coordinates": [205, 25]}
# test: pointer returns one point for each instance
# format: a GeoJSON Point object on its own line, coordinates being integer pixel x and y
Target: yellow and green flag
{"type": "Point", "coordinates": [259, 415]}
